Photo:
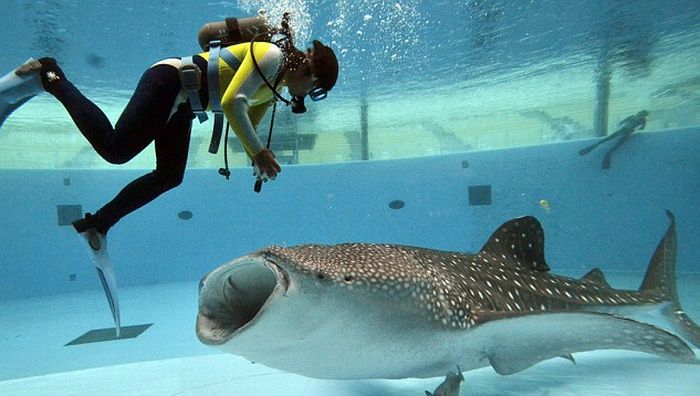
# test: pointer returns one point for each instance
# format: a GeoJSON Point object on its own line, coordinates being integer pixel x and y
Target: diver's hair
{"type": "Point", "coordinates": [325, 65]}
{"type": "Point", "coordinates": [293, 58]}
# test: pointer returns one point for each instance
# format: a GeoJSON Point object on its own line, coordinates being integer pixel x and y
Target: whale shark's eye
{"type": "Point", "coordinates": [348, 278]}
{"type": "Point", "coordinates": [321, 276]}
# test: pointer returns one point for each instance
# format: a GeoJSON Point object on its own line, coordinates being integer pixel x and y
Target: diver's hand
{"type": "Point", "coordinates": [267, 165]}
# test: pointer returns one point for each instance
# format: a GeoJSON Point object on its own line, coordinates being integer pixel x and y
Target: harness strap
{"type": "Point", "coordinates": [214, 99]}
{"type": "Point", "coordinates": [233, 62]}
{"type": "Point", "coordinates": [216, 132]}
{"type": "Point", "coordinates": [216, 53]}
{"type": "Point", "coordinates": [213, 75]}
{"type": "Point", "coordinates": [190, 81]}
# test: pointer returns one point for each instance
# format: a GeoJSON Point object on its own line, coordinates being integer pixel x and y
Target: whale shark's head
{"type": "Point", "coordinates": [236, 296]}
{"type": "Point", "coordinates": [278, 306]}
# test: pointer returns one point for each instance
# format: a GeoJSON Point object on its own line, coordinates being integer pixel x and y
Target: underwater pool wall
{"type": "Point", "coordinates": [608, 218]}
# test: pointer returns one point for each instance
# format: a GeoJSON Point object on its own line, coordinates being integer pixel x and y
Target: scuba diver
{"type": "Point", "coordinates": [629, 125]}
{"type": "Point", "coordinates": [238, 75]}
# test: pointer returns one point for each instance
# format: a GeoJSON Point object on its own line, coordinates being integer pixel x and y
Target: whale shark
{"type": "Point", "coordinates": [361, 310]}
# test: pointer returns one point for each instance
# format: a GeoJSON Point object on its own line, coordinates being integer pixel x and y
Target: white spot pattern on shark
{"type": "Point", "coordinates": [391, 311]}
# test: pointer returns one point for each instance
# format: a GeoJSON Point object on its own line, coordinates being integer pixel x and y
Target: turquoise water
{"type": "Point", "coordinates": [450, 76]}
{"type": "Point", "coordinates": [450, 95]}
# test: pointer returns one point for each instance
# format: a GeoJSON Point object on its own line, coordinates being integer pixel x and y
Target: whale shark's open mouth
{"type": "Point", "coordinates": [235, 296]}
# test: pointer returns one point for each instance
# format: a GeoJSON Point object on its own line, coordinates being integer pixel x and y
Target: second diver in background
{"type": "Point", "coordinates": [628, 126]}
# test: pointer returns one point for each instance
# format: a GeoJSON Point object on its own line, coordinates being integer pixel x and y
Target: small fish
{"type": "Point", "coordinates": [544, 204]}
{"type": "Point", "coordinates": [450, 386]}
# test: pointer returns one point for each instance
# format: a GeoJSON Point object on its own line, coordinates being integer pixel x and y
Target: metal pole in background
{"type": "Point", "coordinates": [364, 129]}
{"type": "Point", "coordinates": [602, 102]}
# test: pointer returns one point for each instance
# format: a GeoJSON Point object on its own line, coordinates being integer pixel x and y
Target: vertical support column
{"type": "Point", "coordinates": [602, 100]}
{"type": "Point", "coordinates": [364, 130]}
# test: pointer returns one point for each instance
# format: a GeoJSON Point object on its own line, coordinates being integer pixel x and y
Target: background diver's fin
{"type": "Point", "coordinates": [105, 271]}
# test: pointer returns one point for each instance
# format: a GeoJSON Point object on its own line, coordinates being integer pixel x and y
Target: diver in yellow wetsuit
{"type": "Point", "coordinates": [160, 111]}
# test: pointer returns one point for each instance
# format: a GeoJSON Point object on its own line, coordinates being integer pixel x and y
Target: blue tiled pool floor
{"type": "Point", "coordinates": [595, 374]}
{"type": "Point", "coordinates": [167, 359]}
{"type": "Point", "coordinates": [34, 331]}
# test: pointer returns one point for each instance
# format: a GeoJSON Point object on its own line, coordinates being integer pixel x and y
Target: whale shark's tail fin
{"type": "Point", "coordinates": [660, 280]}
{"type": "Point", "coordinates": [18, 86]}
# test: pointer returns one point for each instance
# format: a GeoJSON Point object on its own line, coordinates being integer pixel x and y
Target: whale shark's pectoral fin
{"type": "Point", "coordinates": [521, 340]}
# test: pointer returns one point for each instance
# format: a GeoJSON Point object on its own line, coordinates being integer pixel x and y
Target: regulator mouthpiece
{"type": "Point", "coordinates": [297, 104]}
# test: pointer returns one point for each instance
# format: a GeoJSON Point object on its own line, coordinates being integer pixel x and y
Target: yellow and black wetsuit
{"type": "Point", "coordinates": [159, 112]}
{"type": "Point", "coordinates": [244, 95]}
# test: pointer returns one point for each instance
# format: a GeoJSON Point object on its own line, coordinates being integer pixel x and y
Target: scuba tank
{"type": "Point", "coordinates": [236, 30]}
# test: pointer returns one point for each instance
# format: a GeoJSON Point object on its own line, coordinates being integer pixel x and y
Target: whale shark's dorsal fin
{"type": "Point", "coordinates": [596, 276]}
{"type": "Point", "coordinates": [520, 240]}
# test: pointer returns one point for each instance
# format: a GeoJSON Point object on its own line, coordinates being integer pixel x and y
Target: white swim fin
{"type": "Point", "coordinates": [105, 271]}
{"type": "Point", "coordinates": [18, 86]}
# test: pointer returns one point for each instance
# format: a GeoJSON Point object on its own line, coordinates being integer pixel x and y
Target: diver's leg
{"type": "Point", "coordinates": [89, 119]}
{"type": "Point", "coordinates": [172, 146]}
{"type": "Point", "coordinates": [590, 148]}
{"type": "Point", "coordinates": [608, 155]}
{"type": "Point", "coordinates": [145, 115]}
